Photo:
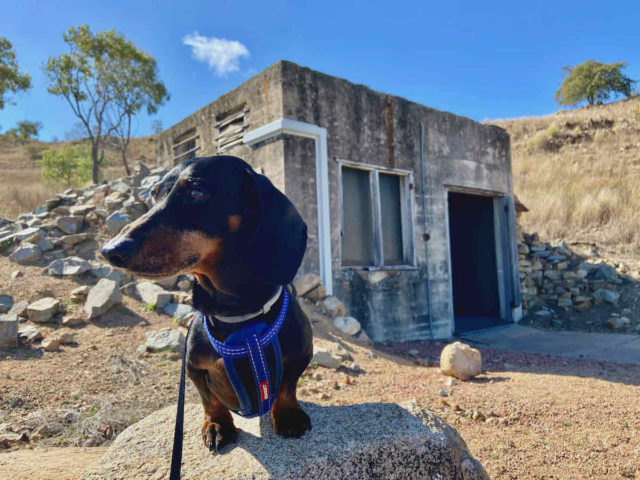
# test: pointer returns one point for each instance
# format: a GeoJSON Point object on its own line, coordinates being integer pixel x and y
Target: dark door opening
{"type": "Point", "coordinates": [476, 298]}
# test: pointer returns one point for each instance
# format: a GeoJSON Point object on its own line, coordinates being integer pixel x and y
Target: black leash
{"type": "Point", "coordinates": [178, 433]}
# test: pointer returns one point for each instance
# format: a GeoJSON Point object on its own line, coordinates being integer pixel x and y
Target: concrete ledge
{"type": "Point", "coordinates": [367, 441]}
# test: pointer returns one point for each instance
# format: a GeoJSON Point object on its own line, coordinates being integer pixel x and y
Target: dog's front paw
{"type": "Point", "coordinates": [216, 436]}
{"type": "Point", "coordinates": [291, 422]}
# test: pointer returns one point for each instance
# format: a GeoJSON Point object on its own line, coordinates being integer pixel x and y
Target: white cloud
{"type": "Point", "coordinates": [220, 54]}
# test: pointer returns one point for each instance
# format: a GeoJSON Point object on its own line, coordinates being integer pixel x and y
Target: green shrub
{"type": "Point", "coordinates": [599, 136]}
{"type": "Point", "coordinates": [70, 165]}
{"type": "Point", "coordinates": [543, 140]}
{"type": "Point", "coordinates": [552, 130]}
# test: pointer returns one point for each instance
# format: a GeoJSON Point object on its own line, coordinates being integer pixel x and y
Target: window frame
{"type": "Point", "coordinates": [406, 213]}
{"type": "Point", "coordinates": [183, 138]}
{"type": "Point", "coordinates": [227, 140]}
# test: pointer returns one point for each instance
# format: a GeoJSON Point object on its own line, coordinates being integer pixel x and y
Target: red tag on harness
{"type": "Point", "coordinates": [264, 390]}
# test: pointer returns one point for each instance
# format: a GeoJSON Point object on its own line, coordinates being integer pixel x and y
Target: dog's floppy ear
{"type": "Point", "coordinates": [279, 235]}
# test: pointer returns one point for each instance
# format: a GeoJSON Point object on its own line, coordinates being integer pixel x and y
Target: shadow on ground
{"type": "Point", "coordinates": [503, 362]}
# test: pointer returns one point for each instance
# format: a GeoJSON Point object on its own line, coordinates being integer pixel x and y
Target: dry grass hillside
{"type": "Point", "coordinates": [578, 172]}
{"type": "Point", "coordinates": [21, 186]}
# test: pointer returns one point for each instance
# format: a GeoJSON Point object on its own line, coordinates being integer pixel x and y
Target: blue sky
{"type": "Point", "coordinates": [478, 59]}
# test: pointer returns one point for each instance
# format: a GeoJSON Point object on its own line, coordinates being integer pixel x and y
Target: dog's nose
{"type": "Point", "coordinates": [119, 253]}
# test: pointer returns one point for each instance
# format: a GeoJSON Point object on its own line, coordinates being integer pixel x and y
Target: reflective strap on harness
{"type": "Point", "coordinates": [239, 351]}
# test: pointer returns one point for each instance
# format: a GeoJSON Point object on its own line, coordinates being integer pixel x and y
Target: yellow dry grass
{"type": "Point", "coordinates": [21, 186]}
{"type": "Point", "coordinates": [578, 172]}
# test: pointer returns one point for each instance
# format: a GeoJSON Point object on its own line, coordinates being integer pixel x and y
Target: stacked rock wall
{"type": "Point", "coordinates": [553, 275]}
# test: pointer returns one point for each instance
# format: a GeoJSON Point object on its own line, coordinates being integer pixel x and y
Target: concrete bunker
{"type": "Point", "coordinates": [372, 175]}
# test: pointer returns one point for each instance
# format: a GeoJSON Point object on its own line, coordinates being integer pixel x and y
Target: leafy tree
{"type": "Point", "coordinates": [70, 165]}
{"type": "Point", "coordinates": [137, 87]}
{"type": "Point", "coordinates": [25, 130]}
{"type": "Point", "coordinates": [11, 79]}
{"type": "Point", "coordinates": [96, 77]}
{"type": "Point", "coordinates": [594, 82]}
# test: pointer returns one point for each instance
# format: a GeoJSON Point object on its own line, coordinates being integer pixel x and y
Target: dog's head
{"type": "Point", "coordinates": [205, 210]}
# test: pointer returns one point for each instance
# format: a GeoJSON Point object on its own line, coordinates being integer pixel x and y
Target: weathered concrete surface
{"type": "Point", "coordinates": [384, 131]}
{"type": "Point", "coordinates": [611, 347]}
{"type": "Point", "coordinates": [354, 442]}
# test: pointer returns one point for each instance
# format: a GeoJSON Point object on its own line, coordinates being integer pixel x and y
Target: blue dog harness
{"type": "Point", "coordinates": [253, 361]}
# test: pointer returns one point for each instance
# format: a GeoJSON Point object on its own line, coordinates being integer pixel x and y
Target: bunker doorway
{"type": "Point", "coordinates": [474, 266]}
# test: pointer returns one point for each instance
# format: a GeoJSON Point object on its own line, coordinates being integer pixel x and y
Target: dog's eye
{"type": "Point", "coordinates": [196, 194]}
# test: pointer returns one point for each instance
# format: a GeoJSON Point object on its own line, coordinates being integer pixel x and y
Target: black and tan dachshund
{"type": "Point", "coordinates": [242, 239]}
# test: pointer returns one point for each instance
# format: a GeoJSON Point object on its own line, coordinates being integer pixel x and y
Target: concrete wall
{"type": "Point", "coordinates": [374, 128]}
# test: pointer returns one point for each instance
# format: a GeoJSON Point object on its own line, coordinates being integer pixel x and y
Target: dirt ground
{"type": "Point", "coordinates": [526, 416]}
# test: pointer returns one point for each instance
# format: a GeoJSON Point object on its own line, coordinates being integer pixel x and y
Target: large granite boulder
{"type": "Point", "coordinates": [371, 441]}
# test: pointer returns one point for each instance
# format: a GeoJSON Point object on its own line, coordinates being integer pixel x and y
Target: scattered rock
{"type": "Point", "coordinates": [185, 283]}
{"type": "Point", "coordinates": [326, 359]}
{"type": "Point", "coordinates": [168, 283]}
{"type": "Point", "coordinates": [116, 221]}
{"type": "Point", "coordinates": [19, 309]}
{"type": "Point", "coordinates": [28, 334]}
{"type": "Point", "coordinates": [104, 295]}
{"type": "Point", "coordinates": [182, 297]}
{"type": "Point", "coordinates": [72, 321]}
{"type": "Point", "coordinates": [8, 331]}
{"type": "Point", "coordinates": [80, 294]}
{"type": "Point", "coordinates": [352, 442]}
{"type": "Point", "coordinates": [165, 340]}
{"type": "Point", "coordinates": [306, 283]}
{"type": "Point", "coordinates": [9, 439]}
{"type": "Point", "coordinates": [69, 224]}
{"type": "Point", "coordinates": [42, 310]}
{"type": "Point", "coordinates": [119, 185]}
{"type": "Point", "coordinates": [50, 344]}
{"type": "Point", "coordinates": [6, 302]}
{"type": "Point", "coordinates": [348, 325]}
{"type": "Point", "coordinates": [15, 274]}
{"type": "Point", "coordinates": [140, 170]}
{"type": "Point", "coordinates": [68, 241]}
{"type": "Point", "coordinates": [80, 210]}
{"type": "Point", "coordinates": [26, 253]}
{"type": "Point", "coordinates": [442, 393]}
{"type": "Point", "coordinates": [461, 361]}
{"type": "Point", "coordinates": [115, 200]}
{"type": "Point", "coordinates": [30, 235]}
{"type": "Point", "coordinates": [150, 181]}
{"type": "Point", "coordinates": [317, 293]}
{"type": "Point", "coordinates": [177, 310]}
{"type": "Point", "coordinates": [129, 289]}
{"type": "Point", "coordinates": [582, 307]}
{"type": "Point", "coordinates": [152, 294]}
{"type": "Point", "coordinates": [69, 266]}
{"type": "Point", "coordinates": [618, 323]}
{"type": "Point", "coordinates": [333, 307]}
{"type": "Point", "coordinates": [608, 296]}
{"type": "Point", "coordinates": [106, 271]}
{"type": "Point", "coordinates": [66, 338]}
{"type": "Point", "coordinates": [46, 245]}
